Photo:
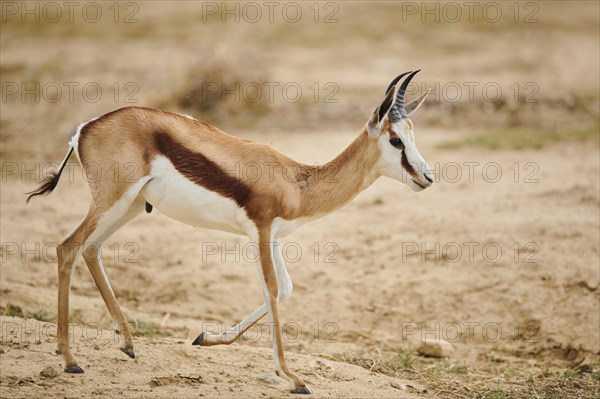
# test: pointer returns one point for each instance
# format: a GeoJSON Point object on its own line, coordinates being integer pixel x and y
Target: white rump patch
{"type": "Point", "coordinates": [186, 116]}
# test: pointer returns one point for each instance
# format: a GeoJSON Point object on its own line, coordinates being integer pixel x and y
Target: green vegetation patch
{"type": "Point", "coordinates": [523, 139]}
{"type": "Point", "coordinates": [16, 311]}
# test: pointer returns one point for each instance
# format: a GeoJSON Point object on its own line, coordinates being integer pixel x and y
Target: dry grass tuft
{"type": "Point", "coordinates": [447, 380]}
{"type": "Point", "coordinates": [220, 88]}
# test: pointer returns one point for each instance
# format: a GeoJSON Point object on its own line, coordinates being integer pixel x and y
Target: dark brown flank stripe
{"type": "Point", "coordinates": [201, 170]}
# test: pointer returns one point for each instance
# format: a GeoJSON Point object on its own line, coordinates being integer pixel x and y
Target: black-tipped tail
{"type": "Point", "coordinates": [49, 183]}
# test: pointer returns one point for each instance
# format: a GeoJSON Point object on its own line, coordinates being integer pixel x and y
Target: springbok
{"type": "Point", "coordinates": [185, 168]}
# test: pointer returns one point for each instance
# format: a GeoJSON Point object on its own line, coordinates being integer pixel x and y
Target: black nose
{"type": "Point", "coordinates": [428, 177]}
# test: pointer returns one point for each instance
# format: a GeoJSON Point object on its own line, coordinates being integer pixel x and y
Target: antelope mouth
{"type": "Point", "coordinates": [419, 184]}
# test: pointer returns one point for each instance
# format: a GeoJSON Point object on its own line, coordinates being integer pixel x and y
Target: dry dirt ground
{"type": "Point", "coordinates": [371, 284]}
{"type": "Point", "coordinates": [173, 368]}
{"type": "Point", "coordinates": [500, 256]}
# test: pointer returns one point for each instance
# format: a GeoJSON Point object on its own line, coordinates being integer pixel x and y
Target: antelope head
{"type": "Point", "coordinates": [390, 126]}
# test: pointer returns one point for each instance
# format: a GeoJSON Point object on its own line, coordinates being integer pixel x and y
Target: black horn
{"type": "Point", "coordinates": [399, 105]}
{"type": "Point", "coordinates": [394, 113]}
{"type": "Point", "coordinates": [396, 81]}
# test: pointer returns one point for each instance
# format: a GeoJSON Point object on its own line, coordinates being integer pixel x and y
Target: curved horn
{"type": "Point", "coordinates": [396, 80]}
{"type": "Point", "coordinates": [399, 104]}
{"type": "Point", "coordinates": [394, 113]}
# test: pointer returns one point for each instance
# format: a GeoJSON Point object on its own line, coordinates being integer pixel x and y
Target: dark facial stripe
{"type": "Point", "coordinates": [201, 170]}
{"type": "Point", "coordinates": [408, 167]}
{"type": "Point", "coordinates": [404, 160]}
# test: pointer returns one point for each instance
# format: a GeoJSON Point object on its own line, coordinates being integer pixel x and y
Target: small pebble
{"type": "Point", "coordinates": [49, 372]}
{"type": "Point", "coordinates": [435, 348]}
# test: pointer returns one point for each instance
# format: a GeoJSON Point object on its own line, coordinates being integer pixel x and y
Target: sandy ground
{"type": "Point", "coordinates": [500, 257]}
{"type": "Point", "coordinates": [173, 368]}
{"type": "Point", "coordinates": [376, 281]}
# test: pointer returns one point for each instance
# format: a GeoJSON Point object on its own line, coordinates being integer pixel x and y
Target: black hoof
{"type": "Point", "coordinates": [301, 390]}
{"type": "Point", "coordinates": [74, 370]}
{"type": "Point", "coordinates": [199, 339]}
{"type": "Point", "coordinates": [128, 352]}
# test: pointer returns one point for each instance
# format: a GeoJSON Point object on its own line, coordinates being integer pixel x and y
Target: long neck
{"type": "Point", "coordinates": [336, 183]}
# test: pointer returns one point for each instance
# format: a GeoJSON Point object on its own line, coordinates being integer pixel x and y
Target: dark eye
{"type": "Point", "coordinates": [396, 142]}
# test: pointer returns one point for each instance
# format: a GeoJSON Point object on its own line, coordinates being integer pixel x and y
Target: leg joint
{"type": "Point", "coordinates": [285, 292]}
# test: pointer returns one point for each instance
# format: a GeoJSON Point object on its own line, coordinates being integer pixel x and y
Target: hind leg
{"type": "Point", "coordinates": [68, 252]}
{"type": "Point", "coordinates": [113, 220]}
{"type": "Point", "coordinates": [101, 221]}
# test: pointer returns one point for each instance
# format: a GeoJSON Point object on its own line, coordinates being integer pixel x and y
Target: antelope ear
{"type": "Point", "coordinates": [375, 122]}
{"type": "Point", "coordinates": [415, 104]}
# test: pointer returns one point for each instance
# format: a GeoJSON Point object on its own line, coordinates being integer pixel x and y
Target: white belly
{"type": "Point", "coordinates": [180, 199]}
{"type": "Point", "coordinates": [282, 227]}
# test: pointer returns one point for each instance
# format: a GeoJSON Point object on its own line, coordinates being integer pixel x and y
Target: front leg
{"type": "Point", "coordinates": [268, 278]}
{"type": "Point", "coordinates": [229, 336]}
{"type": "Point", "coordinates": [285, 291]}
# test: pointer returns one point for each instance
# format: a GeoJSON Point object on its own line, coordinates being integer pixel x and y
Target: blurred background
{"type": "Point", "coordinates": [514, 85]}
{"type": "Point", "coordinates": [492, 67]}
